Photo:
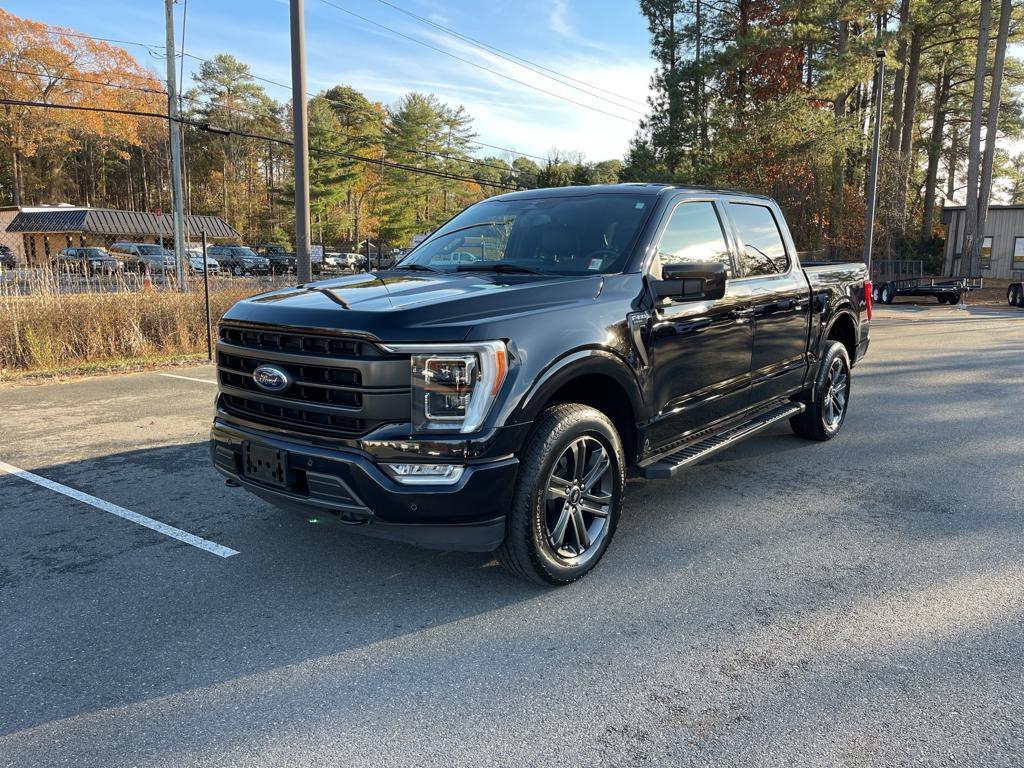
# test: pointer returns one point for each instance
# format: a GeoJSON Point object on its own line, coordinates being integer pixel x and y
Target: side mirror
{"type": "Point", "coordinates": [691, 281]}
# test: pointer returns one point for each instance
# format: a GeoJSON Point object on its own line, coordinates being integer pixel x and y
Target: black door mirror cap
{"type": "Point", "coordinates": [691, 281]}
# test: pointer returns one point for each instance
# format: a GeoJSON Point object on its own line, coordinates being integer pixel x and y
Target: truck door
{"type": "Point", "coordinates": [699, 350]}
{"type": "Point", "coordinates": [780, 299]}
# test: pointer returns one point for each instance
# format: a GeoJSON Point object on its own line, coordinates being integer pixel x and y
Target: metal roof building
{"type": "Point", "coordinates": [115, 223]}
{"type": "Point", "coordinates": [1002, 246]}
{"type": "Point", "coordinates": [45, 230]}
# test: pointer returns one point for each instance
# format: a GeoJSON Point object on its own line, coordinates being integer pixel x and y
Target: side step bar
{"type": "Point", "coordinates": [670, 463]}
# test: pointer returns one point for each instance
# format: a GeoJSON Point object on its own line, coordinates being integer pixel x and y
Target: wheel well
{"type": "Point", "coordinates": [606, 395]}
{"type": "Point", "coordinates": [844, 331]}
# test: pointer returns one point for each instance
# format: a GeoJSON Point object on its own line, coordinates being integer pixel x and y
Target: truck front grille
{"type": "Point", "coordinates": [341, 387]}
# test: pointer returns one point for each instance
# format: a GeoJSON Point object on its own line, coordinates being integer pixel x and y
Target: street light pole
{"type": "Point", "coordinates": [300, 136]}
{"type": "Point", "coordinates": [174, 137]}
{"type": "Point", "coordinates": [869, 218]}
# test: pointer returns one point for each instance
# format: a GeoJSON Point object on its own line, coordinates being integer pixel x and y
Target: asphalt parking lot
{"type": "Point", "coordinates": [859, 602]}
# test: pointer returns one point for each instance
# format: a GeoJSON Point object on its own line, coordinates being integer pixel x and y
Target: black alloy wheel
{"type": "Point", "coordinates": [828, 401]}
{"type": "Point", "coordinates": [836, 394]}
{"type": "Point", "coordinates": [579, 496]}
{"type": "Point", "coordinates": [568, 496]}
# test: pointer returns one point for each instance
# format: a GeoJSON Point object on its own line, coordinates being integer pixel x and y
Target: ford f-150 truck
{"type": "Point", "coordinates": [495, 401]}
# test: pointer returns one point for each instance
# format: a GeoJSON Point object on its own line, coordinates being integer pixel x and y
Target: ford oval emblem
{"type": "Point", "coordinates": [270, 378]}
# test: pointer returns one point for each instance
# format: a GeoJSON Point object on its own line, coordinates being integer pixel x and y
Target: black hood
{"type": "Point", "coordinates": [414, 306]}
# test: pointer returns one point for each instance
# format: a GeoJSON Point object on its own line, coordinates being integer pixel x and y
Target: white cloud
{"type": "Point", "coordinates": [558, 18]}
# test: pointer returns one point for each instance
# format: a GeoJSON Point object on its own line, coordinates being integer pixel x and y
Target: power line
{"type": "Point", "coordinates": [517, 60]}
{"type": "Point", "coordinates": [478, 66]}
{"type": "Point", "coordinates": [150, 47]}
{"type": "Point", "coordinates": [383, 142]}
{"type": "Point", "coordinates": [70, 79]}
{"type": "Point", "coordinates": [245, 134]}
{"type": "Point", "coordinates": [511, 151]}
{"type": "Point", "coordinates": [61, 31]}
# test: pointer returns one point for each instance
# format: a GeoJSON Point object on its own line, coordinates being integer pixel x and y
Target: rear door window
{"type": "Point", "coordinates": [762, 251]}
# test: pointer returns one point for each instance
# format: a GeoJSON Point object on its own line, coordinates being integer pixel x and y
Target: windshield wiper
{"type": "Point", "coordinates": [417, 267]}
{"type": "Point", "coordinates": [468, 226]}
{"type": "Point", "coordinates": [498, 266]}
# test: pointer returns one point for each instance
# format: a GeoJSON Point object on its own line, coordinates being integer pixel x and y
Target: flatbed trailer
{"type": "Point", "coordinates": [945, 291]}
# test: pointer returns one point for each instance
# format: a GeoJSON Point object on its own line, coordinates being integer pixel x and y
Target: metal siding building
{"type": "Point", "coordinates": [1005, 227]}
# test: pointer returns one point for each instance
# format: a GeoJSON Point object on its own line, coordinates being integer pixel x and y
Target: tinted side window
{"type": "Point", "coordinates": [694, 233]}
{"type": "Point", "coordinates": [763, 252]}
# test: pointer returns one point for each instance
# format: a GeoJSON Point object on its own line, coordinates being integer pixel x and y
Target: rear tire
{"type": "Point", "coordinates": [1012, 295]}
{"type": "Point", "coordinates": [886, 294]}
{"type": "Point", "coordinates": [829, 400]}
{"type": "Point", "coordinates": [568, 496]}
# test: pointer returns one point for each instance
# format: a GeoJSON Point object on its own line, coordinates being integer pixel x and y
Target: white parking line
{"type": "Point", "coordinates": [187, 378]}
{"type": "Point", "coordinates": [127, 514]}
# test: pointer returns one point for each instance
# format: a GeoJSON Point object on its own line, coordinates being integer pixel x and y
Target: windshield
{"type": "Point", "coordinates": [590, 234]}
{"type": "Point", "coordinates": [244, 253]}
{"type": "Point", "coordinates": [96, 253]}
{"type": "Point", "coordinates": [152, 250]}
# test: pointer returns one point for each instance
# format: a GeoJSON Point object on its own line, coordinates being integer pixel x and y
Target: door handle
{"type": "Point", "coordinates": [742, 314]}
{"type": "Point", "coordinates": [791, 304]}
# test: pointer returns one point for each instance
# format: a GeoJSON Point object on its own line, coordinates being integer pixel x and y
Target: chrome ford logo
{"type": "Point", "coordinates": [269, 378]}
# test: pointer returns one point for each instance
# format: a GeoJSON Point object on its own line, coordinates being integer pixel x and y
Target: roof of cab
{"type": "Point", "coordinates": [628, 188]}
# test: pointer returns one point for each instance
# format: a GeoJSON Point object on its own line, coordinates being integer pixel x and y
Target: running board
{"type": "Point", "coordinates": [670, 463]}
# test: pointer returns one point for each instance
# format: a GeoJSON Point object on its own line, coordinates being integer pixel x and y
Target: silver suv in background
{"type": "Point", "coordinates": [195, 261]}
{"type": "Point", "coordinates": [142, 256]}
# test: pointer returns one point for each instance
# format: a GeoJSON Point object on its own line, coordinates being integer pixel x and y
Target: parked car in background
{"type": "Point", "coordinates": [195, 262]}
{"type": "Point", "coordinates": [335, 261]}
{"type": "Point", "coordinates": [6, 257]}
{"type": "Point", "coordinates": [496, 405]}
{"type": "Point", "coordinates": [282, 261]}
{"type": "Point", "coordinates": [239, 260]}
{"type": "Point", "coordinates": [454, 259]}
{"type": "Point", "coordinates": [87, 261]}
{"type": "Point", "coordinates": [138, 257]}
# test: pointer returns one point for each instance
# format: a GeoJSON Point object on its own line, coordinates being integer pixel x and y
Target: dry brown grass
{"type": "Point", "coordinates": [43, 326]}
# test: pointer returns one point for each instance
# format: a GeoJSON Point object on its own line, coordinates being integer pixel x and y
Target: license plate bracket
{"type": "Point", "coordinates": [265, 465]}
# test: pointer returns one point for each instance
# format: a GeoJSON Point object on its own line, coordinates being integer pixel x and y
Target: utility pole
{"type": "Point", "coordinates": [174, 137]}
{"type": "Point", "coordinates": [300, 136]}
{"type": "Point", "coordinates": [869, 219]}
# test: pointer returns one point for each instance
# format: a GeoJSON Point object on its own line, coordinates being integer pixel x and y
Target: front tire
{"type": "Point", "coordinates": [886, 294]}
{"type": "Point", "coordinates": [829, 401]}
{"type": "Point", "coordinates": [568, 496]}
{"type": "Point", "coordinates": [1012, 295]}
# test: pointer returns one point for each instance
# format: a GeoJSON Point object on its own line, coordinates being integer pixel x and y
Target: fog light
{"type": "Point", "coordinates": [425, 474]}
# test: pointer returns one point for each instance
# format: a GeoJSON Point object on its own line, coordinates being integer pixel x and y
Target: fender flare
{"type": "Point", "coordinates": [838, 313]}
{"type": "Point", "coordinates": [573, 365]}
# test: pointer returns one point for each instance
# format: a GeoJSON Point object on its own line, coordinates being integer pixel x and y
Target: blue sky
{"type": "Point", "coordinates": [601, 42]}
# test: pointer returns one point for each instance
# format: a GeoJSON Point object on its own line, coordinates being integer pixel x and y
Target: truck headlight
{"type": "Point", "coordinates": [454, 385]}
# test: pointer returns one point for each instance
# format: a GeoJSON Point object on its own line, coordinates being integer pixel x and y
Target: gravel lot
{"type": "Point", "coordinates": [859, 602]}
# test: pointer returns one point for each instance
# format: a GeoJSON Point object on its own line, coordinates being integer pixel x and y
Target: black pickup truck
{"type": "Point", "coordinates": [490, 391]}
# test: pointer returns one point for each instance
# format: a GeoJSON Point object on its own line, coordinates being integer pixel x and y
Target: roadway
{"type": "Point", "coordinates": [859, 602]}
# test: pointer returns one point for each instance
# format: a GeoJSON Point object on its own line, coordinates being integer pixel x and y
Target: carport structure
{"type": "Point", "coordinates": [44, 231]}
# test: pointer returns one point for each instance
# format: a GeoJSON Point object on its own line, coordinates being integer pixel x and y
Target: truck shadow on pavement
{"type": "Point", "coordinates": [75, 579]}
{"type": "Point", "coordinates": [99, 616]}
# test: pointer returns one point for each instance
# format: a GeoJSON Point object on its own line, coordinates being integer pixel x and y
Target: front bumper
{"type": "Point", "coordinates": [348, 488]}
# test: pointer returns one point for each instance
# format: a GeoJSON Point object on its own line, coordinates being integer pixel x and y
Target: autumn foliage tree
{"type": "Point", "coordinates": [40, 63]}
